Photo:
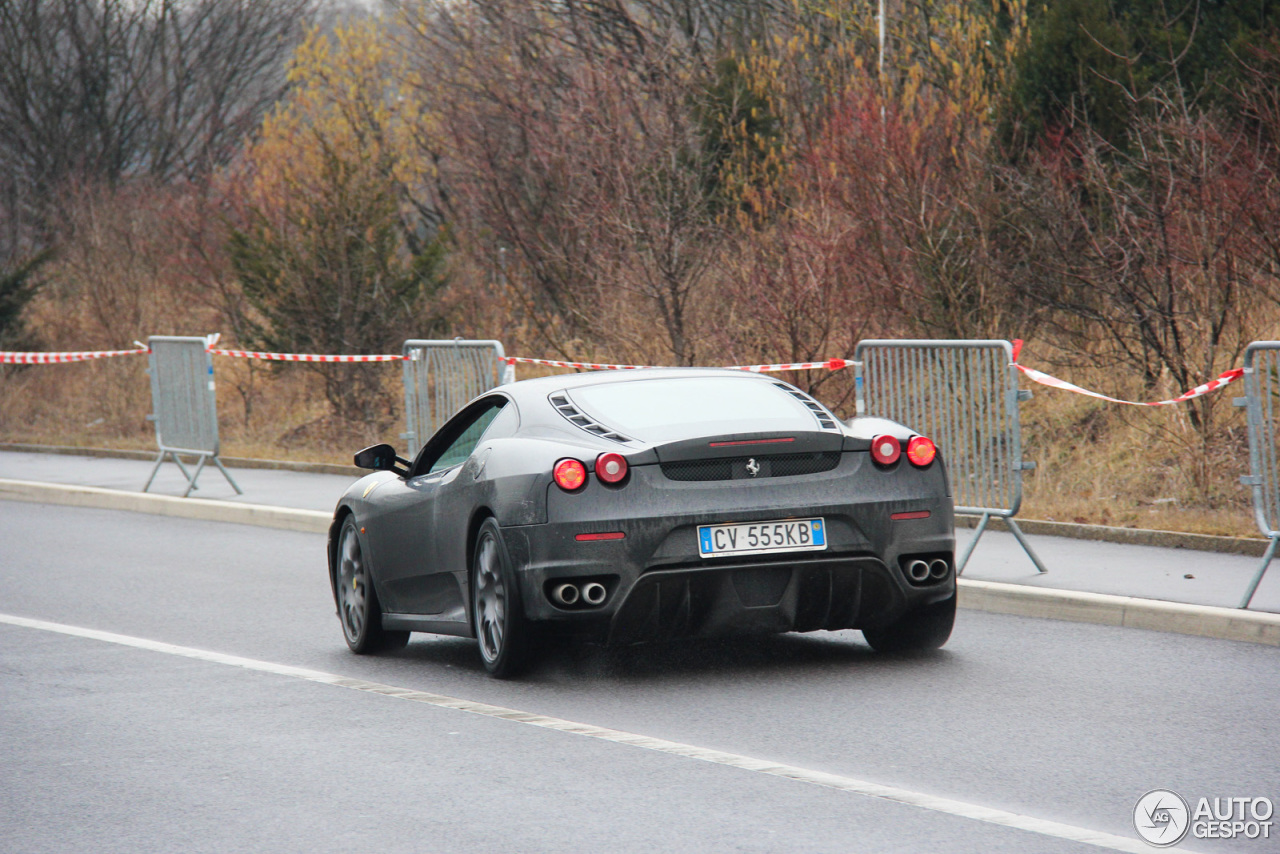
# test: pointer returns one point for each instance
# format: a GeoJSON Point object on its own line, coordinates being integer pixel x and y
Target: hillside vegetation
{"type": "Point", "coordinates": [686, 182]}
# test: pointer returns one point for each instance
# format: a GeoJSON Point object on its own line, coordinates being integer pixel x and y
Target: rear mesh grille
{"type": "Point", "coordinates": [794, 464]}
{"type": "Point", "coordinates": [735, 468]}
{"type": "Point", "coordinates": [701, 470]}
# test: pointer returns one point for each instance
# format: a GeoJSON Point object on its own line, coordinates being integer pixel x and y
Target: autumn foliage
{"type": "Point", "coordinates": [715, 182]}
{"type": "Point", "coordinates": [331, 256]}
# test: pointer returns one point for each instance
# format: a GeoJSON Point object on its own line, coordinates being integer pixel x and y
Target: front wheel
{"type": "Point", "coordinates": [358, 607]}
{"type": "Point", "coordinates": [922, 629]}
{"type": "Point", "coordinates": [502, 632]}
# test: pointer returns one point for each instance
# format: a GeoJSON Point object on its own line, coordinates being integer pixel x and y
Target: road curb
{"type": "Point", "coordinates": [150, 456]}
{"type": "Point", "coordinates": [1126, 611]}
{"type": "Point", "coordinates": [262, 515]}
{"type": "Point", "coordinates": [996, 597]}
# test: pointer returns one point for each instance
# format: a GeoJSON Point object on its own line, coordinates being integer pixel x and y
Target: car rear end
{"type": "Point", "coordinates": [814, 527]}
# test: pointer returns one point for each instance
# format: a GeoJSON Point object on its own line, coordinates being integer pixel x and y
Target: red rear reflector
{"type": "Point", "coordinates": [752, 442]}
{"type": "Point", "coordinates": [611, 467]}
{"type": "Point", "coordinates": [569, 474]}
{"type": "Point", "coordinates": [591, 538]}
{"type": "Point", "coordinates": [886, 449]}
{"type": "Point", "coordinates": [921, 451]}
{"type": "Point", "coordinates": [914, 514]}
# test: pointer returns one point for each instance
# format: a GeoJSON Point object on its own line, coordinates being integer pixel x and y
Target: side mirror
{"type": "Point", "coordinates": [381, 458]}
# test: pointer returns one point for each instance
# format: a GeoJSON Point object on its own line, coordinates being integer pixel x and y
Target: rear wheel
{"type": "Point", "coordinates": [922, 629]}
{"type": "Point", "coordinates": [358, 608]}
{"type": "Point", "coordinates": [502, 632]}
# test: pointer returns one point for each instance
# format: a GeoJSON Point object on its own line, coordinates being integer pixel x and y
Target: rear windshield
{"type": "Point", "coordinates": [663, 410]}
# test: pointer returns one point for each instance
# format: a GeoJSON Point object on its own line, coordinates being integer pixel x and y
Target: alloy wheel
{"type": "Point", "coordinates": [491, 598]}
{"type": "Point", "coordinates": [352, 582]}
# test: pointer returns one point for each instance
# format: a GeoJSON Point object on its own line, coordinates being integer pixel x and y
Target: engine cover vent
{"type": "Point", "coordinates": [824, 418]}
{"type": "Point", "coordinates": [575, 416]}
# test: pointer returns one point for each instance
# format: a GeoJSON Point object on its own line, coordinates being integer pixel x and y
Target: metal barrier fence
{"type": "Point", "coordinates": [185, 406]}
{"type": "Point", "coordinates": [964, 395]}
{"type": "Point", "coordinates": [1262, 402]}
{"type": "Point", "coordinates": [440, 377]}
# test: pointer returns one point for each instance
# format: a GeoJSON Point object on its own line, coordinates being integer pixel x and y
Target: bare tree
{"type": "Point", "coordinates": [569, 147]}
{"type": "Point", "coordinates": [106, 89]}
{"type": "Point", "coordinates": [1148, 257]}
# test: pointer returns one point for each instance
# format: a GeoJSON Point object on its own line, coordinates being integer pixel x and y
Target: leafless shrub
{"type": "Point", "coordinates": [100, 90]}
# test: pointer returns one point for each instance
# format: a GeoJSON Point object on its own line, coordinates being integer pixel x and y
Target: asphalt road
{"type": "Point", "coordinates": [106, 747]}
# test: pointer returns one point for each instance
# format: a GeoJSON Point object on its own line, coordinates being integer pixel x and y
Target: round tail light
{"type": "Point", "coordinates": [611, 468]}
{"type": "Point", "coordinates": [886, 449]}
{"type": "Point", "coordinates": [921, 451]}
{"type": "Point", "coordinates": [569, 474]}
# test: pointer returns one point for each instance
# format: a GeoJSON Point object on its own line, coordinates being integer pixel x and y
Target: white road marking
{"type": "Point", "coordinates": [675, 748]}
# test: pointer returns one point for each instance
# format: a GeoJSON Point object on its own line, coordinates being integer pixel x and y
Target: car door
{"type": "Point", "coordinates": [405, 537]}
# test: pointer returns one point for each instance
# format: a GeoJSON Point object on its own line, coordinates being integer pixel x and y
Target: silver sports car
{"type": "Point", "coordinates": [624, 507]}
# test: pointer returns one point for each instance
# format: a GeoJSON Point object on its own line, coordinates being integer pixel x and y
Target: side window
{"type": "Point", "coordinates": [499, 419]}
{"type": "Point", "coordinates": [505, 424]}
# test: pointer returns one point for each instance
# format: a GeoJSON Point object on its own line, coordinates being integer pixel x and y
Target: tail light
{"type": "Point", "coordinates": [921, 451]}
{"type": "Point", "coordinates": [569, 474]}
{"type": "Point", "coordinates": [611, 467]}
{"type": "Point", "coordinates": [886, 449]}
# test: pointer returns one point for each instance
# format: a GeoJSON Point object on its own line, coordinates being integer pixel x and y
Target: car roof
{"type": "Point", "coordinates": [543, 386]}
{"type": "Point", "coordinates": [537, 411]}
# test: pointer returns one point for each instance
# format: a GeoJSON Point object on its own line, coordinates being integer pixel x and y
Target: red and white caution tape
{"type": "Point", "coordinates": [10, 357]}
{"type": "Point", "coordinates": [20, 358]}
{"type": "Point", "coordinates": [1213, 385]}
{"type": "Point", "coordinates": [304, 357]}
{"type": "Point", "coordinates": [1222, 380]}
{"type": "Point", "coordinates": [588, 366]}
{"type": "Point", "coordinates": [829, 364]}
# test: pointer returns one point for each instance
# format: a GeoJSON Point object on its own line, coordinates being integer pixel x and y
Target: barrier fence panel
{"type": "Point", "coordinates": [440, 377]}
{"type": "Point", "coordinates": [185, 408]}
{"type": "Point", "coordinates": [1262, 403]}
{"type": "Point", "coordinates": [964, 395]}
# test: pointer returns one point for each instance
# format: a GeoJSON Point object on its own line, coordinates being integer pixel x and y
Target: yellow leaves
{"type": "Point", "coordinates": [352, 101]}
{"type": "Point", "coordinates": [959, 55]}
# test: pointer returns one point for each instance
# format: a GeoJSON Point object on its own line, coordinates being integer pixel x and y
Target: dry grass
{"type": "Point", "coordinates": [262, 413]}
{"type": "Point", "coordinates": [1108, 464]}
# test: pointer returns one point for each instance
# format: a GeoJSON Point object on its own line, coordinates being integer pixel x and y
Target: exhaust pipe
{"type": "Point", "coordinates": [565, 594]}
{"type": "Point", "coordinates": [918, 571]}
{"type": "Point", "coordinates": [938, 569]}
{"type": "Point", "coordinates": [594, 593]}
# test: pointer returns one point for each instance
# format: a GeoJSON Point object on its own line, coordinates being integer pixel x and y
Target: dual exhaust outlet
{"type": "Point", "coordinates": [921, 571]}
{"type": "Point", "coordinates": [591, 593]}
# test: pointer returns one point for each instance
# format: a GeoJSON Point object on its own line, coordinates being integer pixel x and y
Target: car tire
{"type": "Point", "coordinates": [503, 634]}
{"type": "Point", "coordinates": [922, 629]}
{"type": "Point", "coordinates": [358, 608]}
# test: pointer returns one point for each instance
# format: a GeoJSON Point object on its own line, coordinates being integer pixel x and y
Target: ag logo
{"type": "Point", "coordinates": [1161, 818]}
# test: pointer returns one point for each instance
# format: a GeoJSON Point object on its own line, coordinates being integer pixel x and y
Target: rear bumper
{"type": "Point", "coordinates": [823, 593]}
{"type": "Point", "coordinates": [659, 587]}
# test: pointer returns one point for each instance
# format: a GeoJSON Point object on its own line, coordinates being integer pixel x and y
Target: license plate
{"type": "Point", "coordinates": [753, 538]}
